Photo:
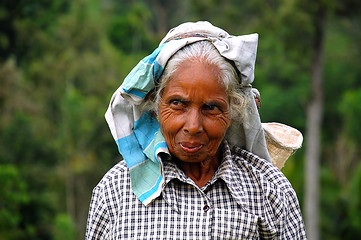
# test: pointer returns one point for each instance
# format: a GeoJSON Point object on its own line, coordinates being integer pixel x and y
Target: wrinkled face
{"type": "Point", "coordinates": [194, 112]}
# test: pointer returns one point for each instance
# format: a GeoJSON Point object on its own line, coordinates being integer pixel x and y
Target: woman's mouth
{"type": "Point", "coordinates": [191, 147]}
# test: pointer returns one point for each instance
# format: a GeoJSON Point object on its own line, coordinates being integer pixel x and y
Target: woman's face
{"type": "Point", "coordinates": [194, 112]}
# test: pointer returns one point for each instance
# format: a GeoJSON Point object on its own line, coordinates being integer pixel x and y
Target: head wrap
{"type": "Point", "coordinates": [138, 134]}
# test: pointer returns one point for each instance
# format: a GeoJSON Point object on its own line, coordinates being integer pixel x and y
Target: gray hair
{"type": "Point", "coordinates": [204, 52]}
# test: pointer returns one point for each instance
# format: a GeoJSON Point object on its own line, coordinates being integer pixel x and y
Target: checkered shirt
{"type": "Point", "coordinates": [247, 198]}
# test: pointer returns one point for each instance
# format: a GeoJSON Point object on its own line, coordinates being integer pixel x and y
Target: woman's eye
{"type": "Point", "coordinates": [212, 108]}
{"type": "Point", "coordinates": [176, 104]}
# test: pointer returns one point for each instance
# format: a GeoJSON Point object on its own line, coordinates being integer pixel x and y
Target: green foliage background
{"type": "Point", "coordinates": [61, 60]}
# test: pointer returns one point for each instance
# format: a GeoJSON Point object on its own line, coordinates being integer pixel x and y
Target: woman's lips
{"type": "Point", "coordinates": [191, 147]}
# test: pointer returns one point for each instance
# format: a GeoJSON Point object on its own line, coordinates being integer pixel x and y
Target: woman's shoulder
{"type": "Point", "coordinates": [261, 169]}
{"type": "Point", "coordinates": [115, 177]}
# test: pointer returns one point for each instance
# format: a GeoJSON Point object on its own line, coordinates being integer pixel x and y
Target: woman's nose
{"type": "Point", "coordinates": [193, 122]}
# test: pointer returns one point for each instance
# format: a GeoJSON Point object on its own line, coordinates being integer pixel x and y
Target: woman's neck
{"type": "Point", "coordinates": [200, 172]}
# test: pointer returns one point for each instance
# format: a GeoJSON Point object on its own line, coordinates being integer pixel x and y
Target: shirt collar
{"type": "Point", "coordinates": [227, 171]}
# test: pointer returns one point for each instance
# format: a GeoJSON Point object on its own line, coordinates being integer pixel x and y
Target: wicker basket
{"type": "Point", "coordinates": [282, 141]}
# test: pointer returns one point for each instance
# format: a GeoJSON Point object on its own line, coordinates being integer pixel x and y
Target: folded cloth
{"type": "Point", "coordinates": [137, 133]}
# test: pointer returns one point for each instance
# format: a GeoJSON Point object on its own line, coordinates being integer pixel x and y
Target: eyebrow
{"type": "Point", "coordinates": [219, 103]}
{"type": "Point", "coordinates": [178, 98]}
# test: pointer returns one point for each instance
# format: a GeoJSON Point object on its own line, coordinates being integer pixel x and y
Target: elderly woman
{"type": "Point", "coordinates": [196, 164]}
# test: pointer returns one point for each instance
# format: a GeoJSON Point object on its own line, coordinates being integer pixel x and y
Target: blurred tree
{"type": "Point", "coordinates": [13, 196]}
{"type": "Point", "coordinates": [29, 17]}
{"type": "Point", "coordinates": [26, 158]}
{"type": "Point", "coordinates": [134, 35]}
{"type": "Point", "coordinates": [83, 67]}
{"type": "Point", "coordinates": [64, 227]}
{"type": "Point", "coordinates": [320, 16]}
{"type": "Point", "coordinates": [61, 93]}
{"type": "Point", "coordinates": [22, 156]}
{"type": "Point", "coordinates": [314, 120]}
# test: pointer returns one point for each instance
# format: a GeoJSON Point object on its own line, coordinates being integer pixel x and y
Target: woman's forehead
{"type": "Point", "coordinates": [195, 79]}
{"type": "Point", "coordinates": [194, 67]}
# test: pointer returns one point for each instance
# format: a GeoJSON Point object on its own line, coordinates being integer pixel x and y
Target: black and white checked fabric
{"type": "Point", "coordinates": [248, 198]}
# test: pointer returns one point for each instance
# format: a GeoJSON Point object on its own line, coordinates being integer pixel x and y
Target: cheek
{"type": "Point", "coordinates": [216, 131]}
{"type": "Point", "coordinates": [169, 121]}
{"type": "Point", "coordinates": [216, 128]}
